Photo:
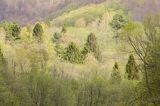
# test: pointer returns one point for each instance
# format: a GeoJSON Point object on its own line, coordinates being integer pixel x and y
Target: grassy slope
{"type": "Point", "coordinates": [97, 18]}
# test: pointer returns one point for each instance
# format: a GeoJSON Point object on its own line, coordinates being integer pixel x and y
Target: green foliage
{"type": "Point", "coordinates": [73, 54]}
{"type": "Point", "coordinates": [132, 69]}
{"type": "Point", "coordinates": [39, 83]}
{"type": "Point", "coordinates": [38, 31]}
{"type": "Point", "coordinates": [56, 37]}
{"type": "Point", "coordinates": [12, 30]}
{"type": "Point", "coordinates": [59, 49]}
{"type": "Point", "coordinates": [84, 52]}
{"type": "Point", "coordinates": [92, 46]}
{"type": "Point", "coordinates": [92, 43]}
{"type": "Point", "coordinates": [7, 98]}
{"type": "Point", "coordinates": [118, 22]}
{"type": "Point", "coordinates": [152, 61]}
{"type": "Point", "coordinates": [115, 75]}
{"type": "Point", "coordinates": [64, 30]}
{"type": "Point", "coordinates": [145, 42]}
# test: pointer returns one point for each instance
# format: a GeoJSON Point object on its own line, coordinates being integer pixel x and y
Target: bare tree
{"type": "Point", "coordinates": [145, 46]}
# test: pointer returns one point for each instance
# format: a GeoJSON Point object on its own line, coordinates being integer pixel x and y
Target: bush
{"type": "Point", "coordinates": [12, 30]}
{"type": "Point", "coordinates": [56, 37]}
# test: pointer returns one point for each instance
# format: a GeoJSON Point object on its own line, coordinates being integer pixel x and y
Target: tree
{"type": "Point", "coordinates": [72, 54]}
{"type": "Point", "coordinates": [12, 30]}
{"type": "Point", "coordinates": [117, 23]}
{"type": "Point", "coordinates": [115, 75]}
{"type": "Point", "coordinates": [131, 68]}
{"type": "Point", "coordinates": [146, 43]}
{"type": "Point", "coordinates": [92, 46]}
{"type": "Point", "coordinates": [38, 31]}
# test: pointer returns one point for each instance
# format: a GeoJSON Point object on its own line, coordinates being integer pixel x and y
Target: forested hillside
{"type": "Point", "coordinates": [29, 11]}
{"type": "Point", "coordinates": [79, 53]}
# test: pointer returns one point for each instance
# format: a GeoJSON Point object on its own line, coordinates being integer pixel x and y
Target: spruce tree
{"type": "Point", "coordinates": [92, 46]}
{"type": "Point", "coordinates": [131, 68]}
{"type": "Point", "coordinates": [38, 31]}
{"type": "Point", "coordinates": [115, 75]}
{"type": "Point", "coordinates": [72, 53]}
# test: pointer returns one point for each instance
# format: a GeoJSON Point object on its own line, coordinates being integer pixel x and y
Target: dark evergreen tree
{"type": "Point", "coordinates": [38, 31]}
{"type": "Point", "coordinates": [115, 75]}
{"type": "Point", "coordinates": [132, 69]}
{"type": "Point", "coordinates": [92, 46]}
{"type": "Point", "coordinates": [72, 54]}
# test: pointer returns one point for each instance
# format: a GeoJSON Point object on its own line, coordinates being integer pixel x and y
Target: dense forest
{"type": "Point", "coordinates": [97, 54]}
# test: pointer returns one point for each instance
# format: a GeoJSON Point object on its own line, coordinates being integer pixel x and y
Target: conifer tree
{"type": "Point", "coordinates": [115, 75]}
{"type": "Point", "coordinates": [92, 46]}
{"type": "Point", "coordinates": [131, 68]}
{"type": "Point", "coordinates": [38, 31]}
{"type": "Point", "coordinates": [72, 54]}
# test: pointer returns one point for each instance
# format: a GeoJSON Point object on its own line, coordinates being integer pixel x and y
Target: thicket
{"type": "Point", "coordinates": [12, 30]}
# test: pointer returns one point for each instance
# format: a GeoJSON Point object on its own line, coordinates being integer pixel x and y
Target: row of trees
{"type": "Point", "coordinates": [72, 53]}
{"type": "Point", "coordinates": [13, 30]}
{"type": "Point", "coordinates": [132, 71]}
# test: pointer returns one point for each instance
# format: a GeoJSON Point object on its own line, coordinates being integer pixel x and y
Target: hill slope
{"type": "Point", "coordinates": [28, 11]}
{"type": "Point", "coordinates": [25, 11]}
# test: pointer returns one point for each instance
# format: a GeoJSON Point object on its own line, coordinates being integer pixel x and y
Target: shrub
{"type": "Point", "coordinates": [56, 37]}
{"type": "Point", "coordinates": [12, 30]}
